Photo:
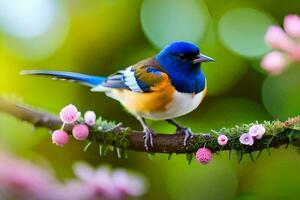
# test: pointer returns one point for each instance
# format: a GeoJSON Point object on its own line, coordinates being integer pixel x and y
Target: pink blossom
{"type": "Point", "coordinates": [80, 132]}
{"type": "Point", "coordinates": [102, 182]}
{"type": "Point", "coordinates": [246, 139]}
{"type": "Point", "coordinates": [274, 62]}
{"type": "Point", "coordinates": [204, 155]}
{"type": "Point", "coordinates": [99, 181]}
{"type": "Point", "coordinates": [257, 131]}
{"type": "Point", "coordinates": [90, 118]}
{"type": "Point", "coordinates": [74, 189]}
{"type": "Point", "coordinates": [287, 42]}
{"type": "Point", "coordinates": [60, 137]}
{"type": "Point", "coordinates": [277, 38]}
{"type": "Point", "coordinates": [292, 25]}
{"type": "Point", "coordinates": [222, 140]}
{"type": "Point", "coordinates": [128, 184]}
{"type": "Point", "coordinates": [69, 114]}
{"type": "Point", "coordinates": [20, 179]}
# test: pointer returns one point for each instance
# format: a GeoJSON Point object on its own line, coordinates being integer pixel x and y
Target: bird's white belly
{"type": "Point", "coordinates": [182, 104]}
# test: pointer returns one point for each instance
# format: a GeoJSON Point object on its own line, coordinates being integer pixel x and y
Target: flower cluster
{"type": "Point", "coordinates": [255, 132]}
{"type": "Point", "coordinates": [286, 43]}
{"type": "Point", "coordinates": [105, 183]}
{"type": "Point", "coordinates": [204, 155]}
{"type": "Point", "coordinates": [20, 179]}
{"type": "Point", "coordinates": [70, 115]}
{"type": "Point", "coordinates": [25, 180]}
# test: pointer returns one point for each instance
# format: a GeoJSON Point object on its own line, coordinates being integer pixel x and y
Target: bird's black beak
{"type": "Point", "coordinates": [202, 58]}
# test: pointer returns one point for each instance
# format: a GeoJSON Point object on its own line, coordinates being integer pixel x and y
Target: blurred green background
{"type": "Point", "coordinates": [102, 36]}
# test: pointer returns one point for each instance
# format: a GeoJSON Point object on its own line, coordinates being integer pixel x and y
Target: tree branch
{"type": "Point", "coordinates": [277, 133]}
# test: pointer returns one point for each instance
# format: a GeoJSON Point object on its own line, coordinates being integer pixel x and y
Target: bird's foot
{"type": "Point", "coordinates": [148, 137]}
{"type": "Point", "coordinates": [186, 132]}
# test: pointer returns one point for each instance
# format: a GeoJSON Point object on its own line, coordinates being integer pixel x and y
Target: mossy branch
{"type": "Point", "coordinates": [277, 133]}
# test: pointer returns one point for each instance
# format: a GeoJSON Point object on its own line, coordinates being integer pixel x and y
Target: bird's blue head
{"type": "Point", "coordinates": [184, 57]}
{"type": "Point", "coordinates": [182, 61]}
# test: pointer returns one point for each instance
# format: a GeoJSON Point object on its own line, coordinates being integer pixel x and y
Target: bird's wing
{"type": "Point", "coordinates": [145, 76]}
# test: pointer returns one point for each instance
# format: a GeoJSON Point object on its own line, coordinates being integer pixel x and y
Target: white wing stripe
{"type": "Point", "coordinates": [130, 80]}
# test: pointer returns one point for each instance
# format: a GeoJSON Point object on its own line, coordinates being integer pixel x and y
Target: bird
{"type": "Point", "coordinates": [163, 87]}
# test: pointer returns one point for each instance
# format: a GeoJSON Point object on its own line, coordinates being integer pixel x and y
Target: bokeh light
{"type": "Point", "coordinates": [172, 20]}
{"type": "Point", "coordinates": [225, 72]}
{"type": "Point", "coordinates": [264, 181]}
{"type": "Point", "coordinates": [201, 182]}
{"type": "Point", "coordinates": [242, 30]}
{"type": "Point", "coordinates": [33, 29]}
{"type": "Point", "coordinates": [26, 19]}
{"type": "Point", "coordinates": [247, 196]}
{"type": "Point", "coordinates": [280, 94]}
{"type": "Point", "coordinates": [10, 130]}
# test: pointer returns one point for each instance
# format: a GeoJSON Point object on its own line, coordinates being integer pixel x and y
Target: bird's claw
{"type": "Point", "coordinates": [186, 132]}
{"type": "Point", "coordinates": [148, 137]}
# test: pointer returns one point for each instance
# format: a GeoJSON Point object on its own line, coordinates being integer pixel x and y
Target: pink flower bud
{"type": "Point", "coordinates": [69, 114]}
{"type": "Point", "coordinates": [246, 139]}
{"type": "Point", "coordinates": [277, 38]}
{"type": "Point", "coordinates": [274, 62]}
{"type": "Point", "coordinates": [292, 25]}
{"type": "Point", "coordinates": [60, 137]}
{"type": "Point", "coordinates": [257, 131]}
{"type": "Point", "coordinates": [90, 118]}
{"type": "Point", "coordinates": [80, 132]}
{"type": "Point", "coordinates": [222, 140]}
{"type": "Point", "coordinates": [204, 155]}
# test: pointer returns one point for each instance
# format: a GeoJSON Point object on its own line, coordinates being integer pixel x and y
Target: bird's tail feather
{"type": "Point", "coordinates": [84, 79]}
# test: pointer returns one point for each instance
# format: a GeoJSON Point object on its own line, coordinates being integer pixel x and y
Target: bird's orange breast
{"type": "Point", "coordinates": [149, 102]}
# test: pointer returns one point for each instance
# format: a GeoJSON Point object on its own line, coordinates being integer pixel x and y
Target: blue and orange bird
{"type": "Point", "coordinates": [163, 87]}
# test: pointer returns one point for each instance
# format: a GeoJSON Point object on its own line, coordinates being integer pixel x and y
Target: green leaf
{"type": "Point", "coordinates": [290, 135]}
{"type": "Point", "coordinates": [101, 153]}
{"type": "Point", "coordinates": [269, 152]}
{"type": "Point", "coordinates": [297, 126]}
{"type": "Point", "coordinates": [251, 157]}
{"type": "Point", "coordinates": [87, 146]}
{"type": "Point", "coordinates": [119, 153]}
{"type": "Point", "coordinates": [268, 145]}
{"type": "Point", "coordinates": [170, 156]}
{"type": "Point", "coordinates": [240, 155]}
{"type": "Point", "coordinates": [259, 153]}
{"type": "Point", "coordinates": [229, 155]}
{"type": "Point", "coordinates": [189, 157]}
{"type": "Point", "coordinates": [106, 126]}
{"type": "Point", "coordinates": [151, 155]}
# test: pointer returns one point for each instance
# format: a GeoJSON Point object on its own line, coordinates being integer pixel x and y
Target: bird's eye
{"type": "Point", "coordinates": [181, 55]}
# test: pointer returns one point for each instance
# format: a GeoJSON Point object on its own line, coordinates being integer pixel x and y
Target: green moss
{"type": "Point", "coordinates": [105, 133]}
{"type": "Point", "coordinates": [275, 132]}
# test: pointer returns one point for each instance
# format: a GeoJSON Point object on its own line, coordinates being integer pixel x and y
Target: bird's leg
{"type": "Point", "coordinates": [181, 130]}
{"type": "Point", "coordinates": [148, 133]}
